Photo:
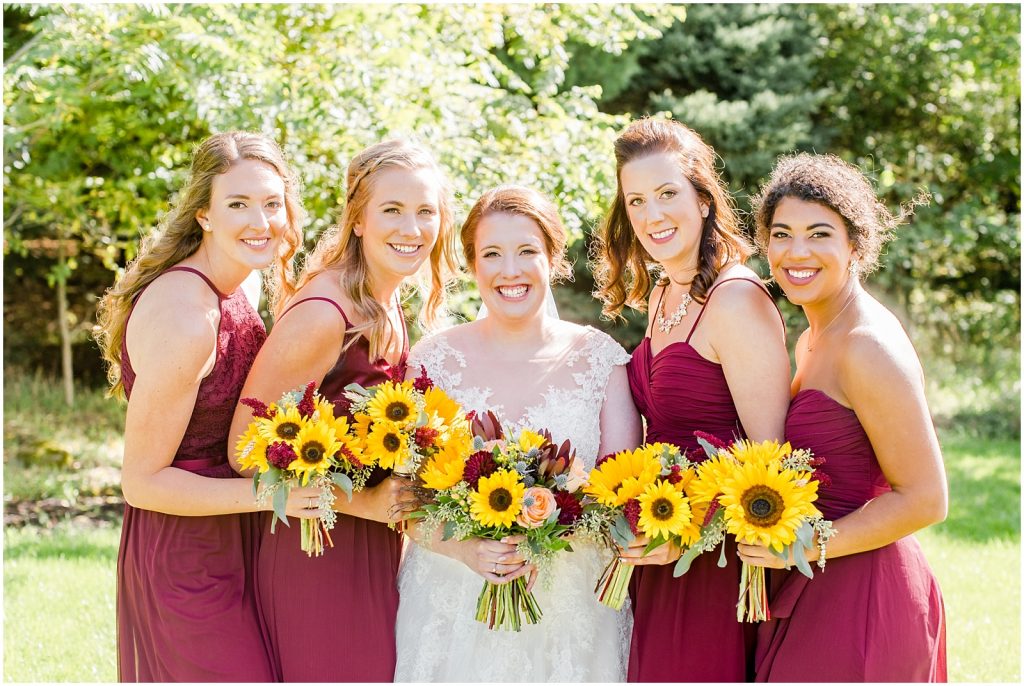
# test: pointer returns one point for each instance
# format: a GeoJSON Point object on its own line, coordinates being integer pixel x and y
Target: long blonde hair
{"type": "Point", "coordinates": [340, 248]}
{"type": "Point", "coordinates": [180, 235]}
{"type": "Point", "coordinates": [623, 267]}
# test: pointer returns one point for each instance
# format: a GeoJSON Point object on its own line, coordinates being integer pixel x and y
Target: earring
{"type": "Point", "coordinates": [854, 268]}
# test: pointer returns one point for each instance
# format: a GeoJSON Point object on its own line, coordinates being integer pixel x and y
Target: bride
{"type": "Point", "coordinates": [532, 370]}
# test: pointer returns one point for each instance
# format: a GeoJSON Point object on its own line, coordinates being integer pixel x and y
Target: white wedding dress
{"type": "Point", "coordinates": [578, 639]}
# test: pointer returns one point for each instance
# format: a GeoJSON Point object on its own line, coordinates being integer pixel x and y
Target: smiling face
{"type": "Point", "coordinates": [809, 251]}
{"type": "Point", "coordinates": [512, 267]}
{"type": "Point", "coordinates": [400, 223]}
{"type": "Point", "coordinates": [664, 210]}
{"type": "Point", "coordinates": [246, 218]}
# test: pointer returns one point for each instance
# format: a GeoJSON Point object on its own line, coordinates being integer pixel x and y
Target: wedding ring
{"type": "Point", "coordinates": [311, 503]}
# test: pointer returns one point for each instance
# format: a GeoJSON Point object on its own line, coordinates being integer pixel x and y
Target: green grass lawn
{"type": "Point", "coordinates": [59, 583]}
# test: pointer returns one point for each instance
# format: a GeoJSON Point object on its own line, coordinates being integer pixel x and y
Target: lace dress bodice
{"type": "Point", "coordinates": [578, 639]}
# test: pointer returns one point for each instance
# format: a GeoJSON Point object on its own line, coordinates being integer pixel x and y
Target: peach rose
{"type": "Point", "coordinates": [577, 476]}
{"type": "Point", "coordinates": [542, 505]}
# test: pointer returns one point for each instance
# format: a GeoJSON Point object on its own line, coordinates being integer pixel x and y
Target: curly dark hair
{"type": "Point", "coordinates": [839, 186]}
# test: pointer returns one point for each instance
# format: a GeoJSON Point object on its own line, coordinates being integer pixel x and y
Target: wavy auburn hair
{"type": "Point", "coordinates": [623, 268]}
{"type": "Point", "coordinates": [339, 247]}
{"type": "Point", "coordinates": [179, 235]}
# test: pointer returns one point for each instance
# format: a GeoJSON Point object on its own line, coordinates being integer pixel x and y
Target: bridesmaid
{"type": "Point", "coordinates": [186, 608]}
{"type": "Point", "coordinates": [695, 370]}
{"type": "Point", "coordinates": [332, 618]}
{"type": "Point", "coordinates": [876, 612]}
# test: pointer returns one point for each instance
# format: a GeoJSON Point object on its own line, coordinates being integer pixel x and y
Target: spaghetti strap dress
{"type": "Point", "coordinates": [873, 616]}
{"type": "Point", "coordinates": [332, 618]}
{"type": "Point", "coordinates": [186, 603]}
{"type": "Point", "coordinates": [685, 628]}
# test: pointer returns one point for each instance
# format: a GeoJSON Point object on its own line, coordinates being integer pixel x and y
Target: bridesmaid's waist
{"type": "Point", "coordinates": [216, 467]}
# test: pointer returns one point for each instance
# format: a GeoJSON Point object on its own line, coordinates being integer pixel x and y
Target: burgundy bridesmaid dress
{"type": "Point", "coordinates": [186, 605]}
{"type": "Point", "coordinates": [873, 616]}
{"type": "Point", "coordinates": [685, 628]}
{"type": "Point", "coordinates": [332, 618]}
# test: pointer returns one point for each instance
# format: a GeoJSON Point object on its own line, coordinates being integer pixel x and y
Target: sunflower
{"type": "Point", "coordinates": [387, 445]}
{"type": "Point", "coordinates": [710, 475]}
{"type": "Point", "coordinates": [529, 440]}
{"type": "Point", "coordinates": [282, 426]}
{"type": "Point", "coordinates": [763, 452]}
{"type": "Point", "coordinates": [361, 428]}
{"type": "Point", "coordinates": [393, 402]}
{"type": "Point", "coordinates": [251, 449]}
{"type": "Point", "coordinates": [765, 505]}
{"type": "Point", "coordinates": [315, 445]}
{"type": "Point", "coordinates": [324, 409]}
{"type": "Point", "coordinates": [444, 469]}
{"type": "Point", "coordinates": [437, 402]}
{"type": "Point", "coordinates": [623, 476]}
{"type": "Point", "coordinates": [664, 511]}
{"type": "Point", "coordinates": [498, 499]}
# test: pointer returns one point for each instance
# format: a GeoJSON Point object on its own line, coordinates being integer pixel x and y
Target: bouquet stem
{"type": "Point", "coordinates": [613, 587]}
{"type": "Point", "coordinates": [313, 533]}
{"type": "Point", "coordinates": [753, 602]}
{"type": "Point", "coordinates": [503, 606]}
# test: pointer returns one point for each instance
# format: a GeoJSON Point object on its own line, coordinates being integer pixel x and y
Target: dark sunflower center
{"type": "Point", "coordinates": [500, 499]}
{"type": "Point", "coordinates": [288, 430]}
{"type": "Point", "coordinates": [312, 452]}
{"type": "Point", "coordinates": [662, 509]}
{"type": "Point", "coordinates": [391, 443]}
{"type": "Point", "coordinates": [763, 505]}
{"type": "Point", "coordinates": [396, 411]}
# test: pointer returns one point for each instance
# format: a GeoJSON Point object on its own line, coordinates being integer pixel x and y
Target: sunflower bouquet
{"type": "Point", "coordinates": [509, 483]}
{"type": "Point", "coordinates": [761, 493]}
{"type": "Point", "coordinates": [641, 492]}
{"type": "Point", "coordinates": [299, 441]}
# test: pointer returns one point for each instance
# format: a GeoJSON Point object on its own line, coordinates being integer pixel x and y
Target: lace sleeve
{"type": "Point", "coordinates": [433, 353]}
{"type": "Point", "coordinates": [602, 353]}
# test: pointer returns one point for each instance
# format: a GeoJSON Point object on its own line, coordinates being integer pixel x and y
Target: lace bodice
{"type": "Point", "coordinates": [570, 409]}
{"type": "Point", "coordinates": [578, 639]}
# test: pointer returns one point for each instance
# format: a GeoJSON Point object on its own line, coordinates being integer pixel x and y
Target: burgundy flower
{"type": "Point", "coordinates": [306, 406]}
{"type": "Point", "coordinates": [422, 382]}
{"type": "Point", "coordinates": [674, 475]}
{"type": "Point", "coordinates": [470, 416]}
{"type": "Point", "coordinates": [487, 426]}
{"type": "Point", "coordinates": [603, 458]}
{"type": "Point", "coordinates": [569, 508]}
{"type": "Point", "coordinates": [425, 437]}
{"type": "Point", "coordinates": [712, 508]}
{"type": "Point", "coordinates": [350, 456]}
{"type": "Point", "coordinates": [697, 455]}
{"type": "Point", "coordinates": [258, 407]}
{"type": "Point", "coordinates": [479, 465]}
{"type": "Point", "coordinates": [823, 479]}
{"type": "Point", "coordinates": [713, 440]}
{"type": "Point", "coordinates": [632, 513]}
{"type": "Point", "coordinates": [396, 374]}
{"type": "Point", "coordinates": [280, 454]}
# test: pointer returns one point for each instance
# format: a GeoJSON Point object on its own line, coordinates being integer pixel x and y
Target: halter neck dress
{"type": "Point", "coordinates": [186, 605]}
{"type": "Point", "coordinates": [332, 618]}
{"type": "Point", "coordinates": [685, 628]}
{"type": "Point", "coordinates": [873, 616]}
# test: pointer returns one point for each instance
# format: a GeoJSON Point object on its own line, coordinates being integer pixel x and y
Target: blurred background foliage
{"type": "Point", "coordinates": [104, 103]}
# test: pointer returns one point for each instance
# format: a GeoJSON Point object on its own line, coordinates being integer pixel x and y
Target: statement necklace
{"type": "Point", "coordinates": [666, 325]}
{"type": "Point", "coordinates": [849, 301]}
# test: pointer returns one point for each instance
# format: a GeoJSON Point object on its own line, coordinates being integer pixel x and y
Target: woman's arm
{"type": "Point", "coordinates": [882, 381]}
{"type": "Point", "coordinates": [172, 336]}
{"type": "Point", "coordinates": [621, 428]}
{"type": "Point", "coordinates": [750, 342]}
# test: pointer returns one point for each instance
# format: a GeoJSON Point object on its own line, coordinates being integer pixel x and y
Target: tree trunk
{"type": "Point", "coordinates": [65, 332]}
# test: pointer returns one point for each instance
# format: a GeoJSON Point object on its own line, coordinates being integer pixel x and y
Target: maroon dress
{"type": "Point", "coordinates": [186, 604]}
{"type": "Point", "coordinates": [332, 618]}
{"type": "Point", "coordinates": [685, 628]}
{"type": "Point", "coordinates": [873, 616]}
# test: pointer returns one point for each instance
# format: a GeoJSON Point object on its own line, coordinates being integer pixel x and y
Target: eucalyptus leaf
{"type": "Point", "coordinates": [281, 505]}
{"type": "Point", "coordinates": [449, 531]}
{"type": "Point", "coordinates": [801, 561]}
{"type": "Point", "coordinates": [356, 388]}
{"type": "Point", "coordinates": [709, 450]}
{"type": "Point", "coordinates": [685, 560]}
{"type": "Point", "coordinates": [620, 531]}
{"type": "Point", "coordinates": [654, 543]}
{"type": "Point", "coordinates": [805, 534]}
{"type": "Point", "coordinates": [256, 485]}
{"type": "Point", "coordinates": [343, 482]}
{"type": "Point", "coordinates": [722, 561]}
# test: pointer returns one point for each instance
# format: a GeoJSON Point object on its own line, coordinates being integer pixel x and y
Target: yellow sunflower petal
{"type": "Point", "coordinates": [393, 402]}
{"type": "Point", "coordinates": [498, 499]}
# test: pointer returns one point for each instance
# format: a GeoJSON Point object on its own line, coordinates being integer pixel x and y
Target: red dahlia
{"type": "Point", "coordinates": [632, 514]}
{"type": "Point", "coordinates": [479, 465]}
{"type": "Point", "coordinates": [280, 454]}
{"type": "Point", "coordinates": [569, 508]}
